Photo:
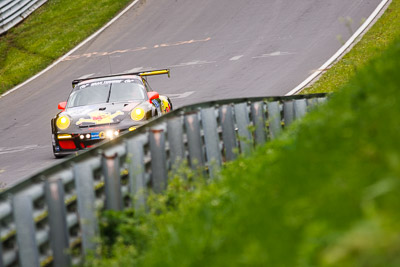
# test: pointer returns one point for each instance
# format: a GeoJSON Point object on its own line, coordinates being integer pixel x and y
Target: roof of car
{"type": "Point", "coordinates": [122, 76]}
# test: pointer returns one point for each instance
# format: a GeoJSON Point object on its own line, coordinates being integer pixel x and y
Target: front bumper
{"type": "Point", "coordinates": [66, 144]}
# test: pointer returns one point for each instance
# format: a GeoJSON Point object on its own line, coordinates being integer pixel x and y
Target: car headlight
{"type": "Point", "coordinates": [111, 134]}
{"type": "Point", "coordinates": [63, 122]}
{"type": "Point", "coordinates": [137, 114]}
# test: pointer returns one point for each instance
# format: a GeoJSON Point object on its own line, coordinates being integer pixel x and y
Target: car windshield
{"type": "Point", "coordinates": [107, 92]}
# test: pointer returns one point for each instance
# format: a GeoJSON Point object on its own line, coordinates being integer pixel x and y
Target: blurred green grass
{"type": "Point", "coordinates": [50, 32]}
{"type": "Point", "coordinates": [372, 44]}
{"type": "Point", "coordinates": [326, 193]}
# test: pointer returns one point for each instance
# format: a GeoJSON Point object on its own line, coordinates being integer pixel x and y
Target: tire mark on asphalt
{"type": "Point", "coordinates": [99, 54]}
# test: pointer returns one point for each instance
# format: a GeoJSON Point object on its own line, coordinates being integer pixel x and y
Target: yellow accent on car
{"type": "Point", "coordinates": [63, 122]}
{"type": "Point", "coordinates": [164, 105]}
{"type": "Point", "coordinates": [64, 136]}
{"type": "Point", "coordinates": [132, 129]}
{"type": "Point", "coordinates": [137, 114]}
{"type": "Point", "coordinates": [155, 72]}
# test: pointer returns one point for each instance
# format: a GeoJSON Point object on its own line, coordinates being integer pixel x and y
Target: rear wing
{"type": "Point", "coordinates": [141, 74]}
{"type": "Point", "coordinates": [154, 72]}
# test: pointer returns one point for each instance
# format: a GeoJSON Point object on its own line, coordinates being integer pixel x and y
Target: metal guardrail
{"type": "Point", "coordinates": [13, 12]}
{"type": "Point", "coordinates": [50, 219]}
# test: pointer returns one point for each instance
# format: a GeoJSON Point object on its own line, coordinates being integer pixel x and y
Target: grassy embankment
{"type": "Point", "coordinates": [48, 33]}
{"type": "Point", "coordinates": [327, 193]}
{"type": "Point", "coordinates": [372, 44]}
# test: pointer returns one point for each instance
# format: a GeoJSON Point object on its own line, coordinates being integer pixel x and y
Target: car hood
{"type": "Point", "coordinates": [99, 114]}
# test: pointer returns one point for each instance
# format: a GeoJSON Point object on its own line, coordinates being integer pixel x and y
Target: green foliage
{"type": "Point", "coordinates": [373, 44]}
{"type": "Point", "coordinates": [47, 34]}
{"type": "Point", "coordinates": [326, 193]}
{"type": "Point", "coordinates": [129, 232]}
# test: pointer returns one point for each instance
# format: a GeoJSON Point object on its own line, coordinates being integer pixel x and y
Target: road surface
{"type": "Point", "coordinates": [215, 50]}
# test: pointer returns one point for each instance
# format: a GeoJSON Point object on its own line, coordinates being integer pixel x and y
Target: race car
{"type": "Point", "coordinates": [105, 107]}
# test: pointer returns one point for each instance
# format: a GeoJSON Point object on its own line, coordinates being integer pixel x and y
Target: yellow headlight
{"type": "Point", "coordinates": [63, 122]}
{"type": "Point", "coordinates": [64, 136]}
{"type": "Point", "coordinates": [137, 114]}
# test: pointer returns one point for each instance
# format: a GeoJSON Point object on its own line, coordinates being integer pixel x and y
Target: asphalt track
{"type": "Point", "coordinates": [215, 50]}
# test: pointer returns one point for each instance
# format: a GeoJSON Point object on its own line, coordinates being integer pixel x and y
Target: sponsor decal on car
{"type": "Point", "coordinates": [83, 86]}
{"type": "Point", "coordinates": [100, 117]}
{"type": "Point", "coordinates": [155, 103]}
{"type": "Point", "coordinates": [165, 107]}
{"type": "Point", "coordinates": [95, 136]}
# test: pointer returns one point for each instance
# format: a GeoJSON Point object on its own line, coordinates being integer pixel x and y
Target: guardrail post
{"type": "Point", "coordinates": [211, 140]}
{"type": "Point", "coordinates": [136, 170]}
{"type": "Point", "coordinates": [59, 236]}
{"type": "Point", "coordinates": [112, 179]}
{"type": "Point", "coordinates": [243, 124]}
{"type": "Point", "coordinates": [192, 126]}
{"type": "Point", "coordinates": [258, 117]}
{"type": "Point", "coordinates": [86, 206]}
{"type": "Point", "coordinates": [321, 100]}
{"type": "Point", "coordinates": [300, 108]}
{"type": "Point", "coordinates": [288, 112]}
{"type": "Point", "coordinates": [312, 103]}
{"type": "Point", "coordinates": [228, 132]}
{"type": "Point", "coordinates": [28, 252]}
{"type": "Point", "coordinates": [158, 160]}
{"type": "Point", "coordinates": [175, 140]}
{"type": "Point", "coordinates": [274, 119]}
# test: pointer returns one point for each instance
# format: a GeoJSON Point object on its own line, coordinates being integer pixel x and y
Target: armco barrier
{"type": "Point", "coordinates": [50, 218]}
{"type": "Point", "coordinates": [13, 12]}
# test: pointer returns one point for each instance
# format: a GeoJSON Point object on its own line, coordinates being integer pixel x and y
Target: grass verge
{"type": "Point", "coordinates": [50, 32]}
{"type": "Point", "coordinates": [327, 193]}
{"type": "Point", "coordinates": [373, 43]}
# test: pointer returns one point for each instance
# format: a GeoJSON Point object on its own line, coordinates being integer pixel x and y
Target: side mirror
{"type": "Point", "coordinates": [62, 105]}
{"type": "Point", "coordinates": [153, 95]}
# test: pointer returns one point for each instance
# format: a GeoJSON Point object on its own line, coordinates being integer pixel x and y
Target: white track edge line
{"type": "Point", "coordinates": [341, 50]}
{"type": "Point", "coordinates": [73, 50]}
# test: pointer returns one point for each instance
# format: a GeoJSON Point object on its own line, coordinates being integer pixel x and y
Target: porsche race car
{"type": "Point", "coordinates": [103, 108]}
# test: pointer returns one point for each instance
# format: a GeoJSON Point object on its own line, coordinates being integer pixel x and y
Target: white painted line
{"type": "Point", "coordinates": [183, 95]}
{"type": "Point", "coordinates": [341, 50]}
{"type": "Point", "coordinates": [94, 35]}
{"type": "Point", "coordinates": [86, 76]}
{"type": "Point", "coordinates": [236, 58]}
{"type": "Point", "coordinates": [8, 150]}
{"type": "Point", "coordinates": [275, 54]}
{"type": "Point", "coordinates": [192, 63]}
